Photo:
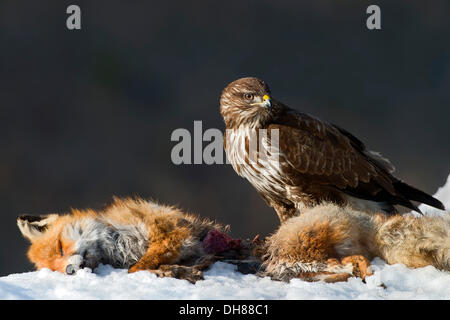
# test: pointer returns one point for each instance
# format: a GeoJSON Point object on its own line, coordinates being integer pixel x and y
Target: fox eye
{"type": "Point", "coordinates": [248, 96]}
{"type": "Point", "coordinates": [61, 251]}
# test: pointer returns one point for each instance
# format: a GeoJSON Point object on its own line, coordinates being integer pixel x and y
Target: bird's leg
{"type": "Point", "coordinates": [285, 212]}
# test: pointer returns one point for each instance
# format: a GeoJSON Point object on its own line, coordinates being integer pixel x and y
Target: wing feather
{"type": "Point", "coordinates": [314, 147]}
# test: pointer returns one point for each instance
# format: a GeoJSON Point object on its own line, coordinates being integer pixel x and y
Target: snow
{"type": "Point", "coordinates": [442, 194]}
{"type": "Point", "coordinates": [223, 282]}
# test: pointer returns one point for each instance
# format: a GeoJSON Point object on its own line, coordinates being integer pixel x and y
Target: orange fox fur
{"type": "Point", "coordinates": [332, 243]}
{"type": "Point", "coordinates": [326, 242]}
{"type": "Point", "coordinates": [133, 234]}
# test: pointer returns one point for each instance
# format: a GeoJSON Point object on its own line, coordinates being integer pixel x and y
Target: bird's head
{"type": "Point", "coordinates": [246, 101]}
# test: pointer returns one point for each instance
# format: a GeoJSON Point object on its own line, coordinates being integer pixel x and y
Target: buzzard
{"type": "Point", "coordinates": [315, 161]}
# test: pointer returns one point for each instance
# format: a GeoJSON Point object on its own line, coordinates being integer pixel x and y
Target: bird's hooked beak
{"type": "Point", "coordinates": [266, 102]}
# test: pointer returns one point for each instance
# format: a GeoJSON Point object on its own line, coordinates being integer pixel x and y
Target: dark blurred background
{"type": "Point", "coordinates": [85, 115]}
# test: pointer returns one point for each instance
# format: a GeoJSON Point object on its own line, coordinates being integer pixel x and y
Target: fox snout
{"type": "Point", "coordinates": [77, 262]}
{"type": "Point", "coordinates": [70, 269]}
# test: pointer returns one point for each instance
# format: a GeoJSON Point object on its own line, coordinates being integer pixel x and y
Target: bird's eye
{"type": "Point", "coordinates": [248, 96]}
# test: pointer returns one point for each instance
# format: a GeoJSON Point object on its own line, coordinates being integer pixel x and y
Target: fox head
{"type": "Point", "coordinates": [62, 242]}
{"type": "Point", "coordinates": [67, 243]}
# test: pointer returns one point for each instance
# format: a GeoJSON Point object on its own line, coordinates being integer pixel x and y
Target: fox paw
{"type": "Point", "coordinates": [331, 270]}
{"type": "Point", "coordinates": [357, 266]}
{"type": "Point", "coordinates": [136, 268]}
{"type": "Point", "coordinates": [351, 266]}
{"type": "Point", "coordinates": [361, 266]}
{"type": "Point", "coordinates": [191, 274]}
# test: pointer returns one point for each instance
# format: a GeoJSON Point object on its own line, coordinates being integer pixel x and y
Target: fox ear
{"type": "Point", "coordinates": [32, 227]}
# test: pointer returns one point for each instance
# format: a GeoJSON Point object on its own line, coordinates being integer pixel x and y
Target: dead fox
{"type": "Point", "coordinates": [332, 243]}
{"type": "Point", "coordinates": [130, 233]}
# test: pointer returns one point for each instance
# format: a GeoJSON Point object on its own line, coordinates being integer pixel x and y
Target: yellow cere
{"type": "Point", "coordinates": [266, 97]}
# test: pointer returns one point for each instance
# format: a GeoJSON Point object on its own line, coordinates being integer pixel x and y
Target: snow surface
{"type": "Point", "coordinates": [223, 282]}
{"type": "Point", "coordinates": [442, 194]}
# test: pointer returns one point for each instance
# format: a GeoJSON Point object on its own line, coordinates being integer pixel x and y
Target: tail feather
{"type": "Point", "coordinates": [414, 194]}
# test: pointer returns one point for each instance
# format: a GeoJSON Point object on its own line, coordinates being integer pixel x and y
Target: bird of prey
{"type": "Point", "coordinates": [315, 161]}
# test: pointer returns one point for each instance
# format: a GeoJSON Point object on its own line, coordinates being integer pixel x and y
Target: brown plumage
{"type": "Point", "coordinates": [316, 161]}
